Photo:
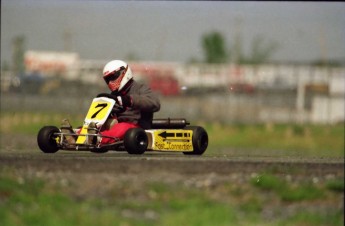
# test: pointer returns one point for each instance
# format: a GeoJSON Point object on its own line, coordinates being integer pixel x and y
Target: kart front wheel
{"type": "Point", "coordinates": [136, 141]}
{"type": "Point", "coordinates": [199, 140]}
{"type": "Point", "coordinates": [46, 139]}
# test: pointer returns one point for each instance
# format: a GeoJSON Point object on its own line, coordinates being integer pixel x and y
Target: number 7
{"type": "Point", "coordinates": [102, 106]}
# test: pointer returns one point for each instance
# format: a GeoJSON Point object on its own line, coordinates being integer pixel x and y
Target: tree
{"type": "Point", "coordinates": [214, 48]}
{"type": "Point", "coordinates": [261, 51]}
{"type": "Point", "coordinates": [215, 51]}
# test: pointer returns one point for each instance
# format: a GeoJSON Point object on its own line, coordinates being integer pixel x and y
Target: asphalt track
{"type": "Point", "coordinates": [152, 162]}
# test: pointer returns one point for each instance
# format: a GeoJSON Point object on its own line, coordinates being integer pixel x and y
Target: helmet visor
{"type": "Point", "coordinates": [114, 75]}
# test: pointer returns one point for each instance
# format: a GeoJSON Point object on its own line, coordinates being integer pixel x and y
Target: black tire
{"type": "Point", "coordinates": [199, 140]}
{"type": "Point", "coordinates": [136, 141]}
{"type": "Point", "coordinates": [46, 139]}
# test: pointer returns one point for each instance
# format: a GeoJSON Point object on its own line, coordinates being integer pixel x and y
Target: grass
{"type": "Point", "coordinates": [29, 123]}
{"type": "Point", "coordinates": [28, 204]}
{"type": "Point", "coordinates": [313, 219]}
{"type": "Point", "coordinates": [336, 185]}
{"type": "Point", "coordinates": [278, 140]}
{"type": "Point", "coordinates": [25, 203]}
{"type": "Point", "coordinates": [32, 201]}
{"type": "Point", "coordinates": [285, 191]}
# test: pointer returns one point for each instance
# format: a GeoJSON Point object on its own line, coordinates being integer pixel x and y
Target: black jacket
{"type": "Point", "coordinates": [144, 104]}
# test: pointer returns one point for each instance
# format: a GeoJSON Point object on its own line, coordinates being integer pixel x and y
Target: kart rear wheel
{"type": "Point", "coordinates": [46, 139]}
{"type": "Point", "coordinates": [199, 140]}
{"type": "Point", "coordinates": [136, 141]}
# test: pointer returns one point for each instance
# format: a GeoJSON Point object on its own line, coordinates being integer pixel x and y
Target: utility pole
{"type": "Point", "coordinates": [237, 55]}
{"type": "Point", "coordinates": [67, 41]}
{"type": "Point", "coordinates": [18, 49]}
{"type": "Point", "coordinates": [323, 46]}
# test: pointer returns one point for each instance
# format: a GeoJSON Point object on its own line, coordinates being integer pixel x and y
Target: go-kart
{"type": "Point", "coordinates": [172, 135]}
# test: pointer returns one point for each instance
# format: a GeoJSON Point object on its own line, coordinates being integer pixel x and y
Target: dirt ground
{"type": "Point", "coordinates": [166, 167]}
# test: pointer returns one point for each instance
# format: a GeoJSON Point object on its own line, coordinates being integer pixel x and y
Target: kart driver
{"type": "Point", "coordinates": [137, 101]}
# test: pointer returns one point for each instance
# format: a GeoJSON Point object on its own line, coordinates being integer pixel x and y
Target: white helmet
{"type": "Point", "coordinates": [117, 74]}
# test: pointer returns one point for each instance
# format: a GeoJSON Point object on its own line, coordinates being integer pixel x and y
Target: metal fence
{"type": "Point", "coordinates": [231, 108]}
{"type": "Point", "coordinates": [253, 95]}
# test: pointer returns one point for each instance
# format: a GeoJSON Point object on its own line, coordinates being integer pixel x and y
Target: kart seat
{"type": "Point", "coordinates": [169, 123]}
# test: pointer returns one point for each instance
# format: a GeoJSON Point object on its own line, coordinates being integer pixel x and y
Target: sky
{"type": "Point", "coordinates": [172, 30]}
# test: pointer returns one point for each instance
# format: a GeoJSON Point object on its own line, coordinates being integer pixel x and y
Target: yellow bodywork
{"type": "Point", "coordinates": [98, 112]}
